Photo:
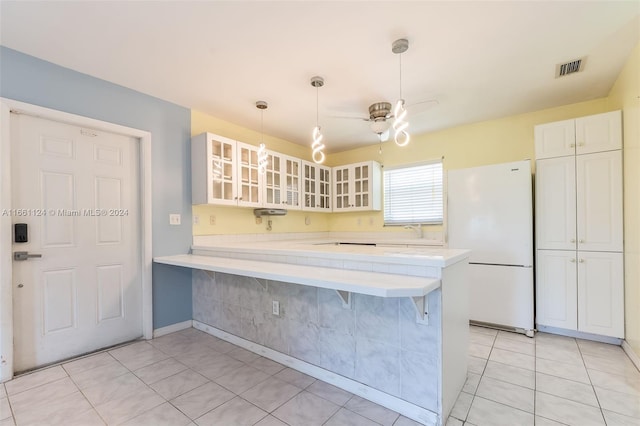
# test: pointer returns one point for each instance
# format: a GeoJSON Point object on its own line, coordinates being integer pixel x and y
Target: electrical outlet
{"type": "Point", "coordinates": [258, 220]}
{"type": "Point", "coordinates": [174, 219]}
{"type": "Point", "coordinates": [307, 220]}
{"type": "Point", "coordinates": [196, 220]}
{"type": "Point", "coordinates": [275, 308]}
{"type": "Point", "coordinates": [212, 219]}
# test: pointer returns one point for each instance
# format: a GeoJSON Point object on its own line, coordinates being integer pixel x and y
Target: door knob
{"type": "Point", "coordinates": [20, 285]}
{"type": "Point", "coordinates": [24, 255]}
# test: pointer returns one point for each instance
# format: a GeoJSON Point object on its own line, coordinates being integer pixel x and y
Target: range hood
{"type": "Point", "coordinates": [269, 212]}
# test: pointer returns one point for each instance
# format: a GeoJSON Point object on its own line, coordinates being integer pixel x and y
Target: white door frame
{"type": "Point", "coordinates": [6, 266]}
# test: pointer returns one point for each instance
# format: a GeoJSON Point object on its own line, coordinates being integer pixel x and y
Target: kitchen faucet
{"type": "Point", "coordinates": [417, 228]}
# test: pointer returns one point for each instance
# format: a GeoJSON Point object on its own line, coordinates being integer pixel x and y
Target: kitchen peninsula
{"type": "Point", "coordinates": [388, 322]}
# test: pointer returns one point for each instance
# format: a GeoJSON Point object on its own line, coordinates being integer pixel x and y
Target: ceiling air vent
{"type": "Point", "coordinates": [570, 67]}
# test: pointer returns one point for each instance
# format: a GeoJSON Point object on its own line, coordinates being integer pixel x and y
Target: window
{"type": "Point", "coordinates": [413, 194]}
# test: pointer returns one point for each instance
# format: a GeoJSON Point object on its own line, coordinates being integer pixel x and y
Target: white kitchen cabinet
{"type": "Point", "coordinates": [584, 135]}
{"type": "Point", "coordinates": [579, 220]}
{"type": "Point", "coordinates": [557, 289]}
{"type": "Point", "coordinates": [224, 172]}
{"type": "Point", "coordinates": [248, 178]}
{"type": "Point", "coordinates": [600, 293]}
{"type": "Point", "coordinates": [357, 187]}
{"type": "Point", "coordinates": [580, 291]}
{"type": "Point", "coordinates": [282, 182]}
{"type": "Point", "coordinates": [556, 203]}
{"type": "Point", "coordinates": [579, 202]}
{"type": "Point", "coordinates": [316, 187]}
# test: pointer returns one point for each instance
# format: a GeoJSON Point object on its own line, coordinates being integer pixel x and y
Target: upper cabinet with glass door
{"type": "Point", "coordinates": [224, 172]}
{"type": "Point", "coordinates": [282, 182]}
{"type": "Point", "coordinates": [357, 187]}
{"type": "Point", "coordinates": [316, 187]}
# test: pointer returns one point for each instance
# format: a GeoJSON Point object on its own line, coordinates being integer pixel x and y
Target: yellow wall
{"type": "Point", "coordinates": [625, 95]}
{"type": "Point", "coordinates": [488, 142]}
{"type": "Point", "coordinates": [234, 220]}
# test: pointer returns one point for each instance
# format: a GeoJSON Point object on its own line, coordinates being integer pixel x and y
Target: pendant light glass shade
{"type": "Point", "coordinates": [317, 146]}
{"type": "Point", "coordinates": [262, 149]}
{"type": "Point", "coordinates": [400, 124]}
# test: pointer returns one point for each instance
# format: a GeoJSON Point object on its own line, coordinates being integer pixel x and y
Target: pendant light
{"type": "Point", "coordinates": [400, 125]}
{"type": "Point", "coordinates": [262, 150]}
{"type": "Point", "coordinates": [317, 146]}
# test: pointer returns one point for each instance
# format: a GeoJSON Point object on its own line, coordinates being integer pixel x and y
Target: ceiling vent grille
{"type": "Point", "coordinates": [570, 67]}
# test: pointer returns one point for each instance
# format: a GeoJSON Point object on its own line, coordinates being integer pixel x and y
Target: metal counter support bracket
{"type": "Point", "coordinates": [346, 298]}
{"type": "Point", "coordinates": [422, 309]}
{"type": "Point", "coordinates": [263, 283]}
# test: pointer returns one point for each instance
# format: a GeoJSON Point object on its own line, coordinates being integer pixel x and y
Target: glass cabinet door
{"type": "Point", "coordinates": [361, 186]}
{"type": "Point", "coordinates": [341, 187]}
{"type": "Point", "coordinates": [273, 185]}
{"type": "Point", "coordinates": [222, 170]}
{"type": "Point", "coordinates": [292, 178]}
{"type": "Point", "coordinates": [248, 176]}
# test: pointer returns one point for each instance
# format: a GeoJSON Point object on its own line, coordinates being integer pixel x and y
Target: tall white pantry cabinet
{"type": "Point", "coordinates": [579, 236]}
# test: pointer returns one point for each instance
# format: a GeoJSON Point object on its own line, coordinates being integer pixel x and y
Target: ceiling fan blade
{"type": "Point", "coordinates": [349, 118]}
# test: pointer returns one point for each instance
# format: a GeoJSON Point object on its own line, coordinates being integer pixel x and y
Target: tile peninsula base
{"type": "Point", "coordinates": [398, 405]}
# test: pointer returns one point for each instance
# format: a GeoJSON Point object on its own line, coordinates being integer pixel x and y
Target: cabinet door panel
{"type": "Point", "coordinates": [248, 179]}
{"type": "Point", "coordinates": [555, 139]}
{"type": "Point", "coordinates": [221, 170]}
{"type": "Point", "coordinates": [599, 201]}
{"type": "Point", "coordinates": [601, 293]}
{"type": "Point", "coordinates": [556, 289]}
{"type": "Point", "coordinates": [556, 204]}
{"type": "Point", "coordinates": [600, 132]}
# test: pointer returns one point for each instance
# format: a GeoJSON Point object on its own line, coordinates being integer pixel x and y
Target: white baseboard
{"type": "Point", "coordinates": [396, 404]}
{"type": "Point", "coordinates": [635, 359]}
{"type": "Point", "coordinates": [580, 335]}
{"type": "Point", "coordinates": [172, 328]}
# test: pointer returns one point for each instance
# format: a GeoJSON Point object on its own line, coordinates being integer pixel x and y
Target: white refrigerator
{"type": "Point", "coordinates": [490, 212]}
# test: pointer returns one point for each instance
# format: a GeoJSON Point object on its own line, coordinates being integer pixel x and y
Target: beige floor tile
{"type": "Point", "coordinates": [571, 356]}
{"type": "Point", "coordinates": [575, 391]}
{"type": "Point", "coordinates": [86, 418]}
{"type": "Point", "coordinates": [629, 383]}
{"type": "Point", "coordinates": [566, 411]}
{"type": "Point", "coordinates": [565, 370]}
{"type": "Point", "coordinates": [506, 393]}
{"type": "Point", "coordinates": [295, 377]}
{"type": "Point", "coordinates": [135, 360]}
{"type": "Point", "coordinates": [502, 334]}
{"type": "Point", "coordinates": [461, 407]}
{"type": "Point", "coordinates": [513, 345]}
{"type": "Point", "coordinates": [348, 418]}
{"type": "Point", "coordinates": [99, 375]}
{"type": "Point", "coordinates": [479, 351]}
{"type": "Point", "coordinates": [270, 421]}
{"type": "Point", "coordinates": [330, 392]}
{"type": "Point", "coordinates": [242, 379]}
{"type": "Point", "coordinates": [160, 370]}
{"type": "Point", "coordinates": [218, 366]}
{"type": "Point", "coordinates": [306, 409]}
{"type": "Point", "coordinates": [514, 359]}
{"type": "Point", "coordinates": [113, 389]}
{"type": "Point", "coordinates": [182, 382]}
{"type": "Point", "coordinates": [268, 366]}
{"type": "Point", "coordinates": [56, 411]}
{"type": "Point", "coordinates": [615, 419]}
{"type": "Point", "coordinates": [602, 350]}
{"type": "Point", "coordinates": [42, 395]}
{"type": "Point", "coordinates": [237, 412]}
{"type": "Point", "coordinates": [489, 413]}
{"type": "Point", "coordinates": [32, 380]}
{"type": "Point", "coordinates": [202, 399]}
{"type": "Point", "coordinates": [403, 421]}
{"type": "Point", "coordinates": [7, 422]}
{"type": "Point", "coordinates": [476, 365]}
{"type": "Point", "coordinates": [162, 415]}
{"type": "Point", "coordinates": [483, 330]}
{"type": "Point", "coordinates": [451, 421]}
{"type": "Point", "coordinates": [128, 406]}
{"type": "Point", "coordinates": [482, 339]}
{"type": "Point", "coordinates": [5, 409]}
{"type": "Point", "coordinates": [243, 355]}
{"type": "Point", "coordinates": [271, 393]}
{"type": "Point", "coordinates": [541, 421]}
{"type": "Point", "coordinates": [621, 403]}
{"type": "Point", "coordinates": [621, 366]}
{"type": "Point", "coordinates": [87, 363]}
{"type": "Point", "coordinates": [471, 384]}
{"type": "Point", "coordinates": [510, 374]}
{"type": "Point", "coordinates": [372, 411]}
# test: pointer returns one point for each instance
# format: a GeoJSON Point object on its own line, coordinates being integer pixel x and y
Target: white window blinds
{"type": "Point", "coordinates": [413, 194]}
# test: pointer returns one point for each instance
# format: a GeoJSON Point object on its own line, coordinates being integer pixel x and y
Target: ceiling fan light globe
{"type": "Point", "coordinates": [379, 127]}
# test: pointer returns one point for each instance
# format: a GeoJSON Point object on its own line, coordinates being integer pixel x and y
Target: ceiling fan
{"type": "Point", "coordinates": [380, 115]}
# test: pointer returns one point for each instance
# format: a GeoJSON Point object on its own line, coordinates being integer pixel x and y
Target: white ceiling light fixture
{"type": "Point", "coordinates": [262, 149]}
{"type": "Point", "coordinates": [317, 146]}
{"type": "Point", "coordinates": [400, 125]}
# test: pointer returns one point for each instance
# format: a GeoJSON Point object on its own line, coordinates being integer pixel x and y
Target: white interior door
{"type": "Point", "coordinates": [77, 192]}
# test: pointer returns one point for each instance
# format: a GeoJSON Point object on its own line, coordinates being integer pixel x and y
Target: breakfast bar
{"type": "Point", "coordinates": [387, 322]}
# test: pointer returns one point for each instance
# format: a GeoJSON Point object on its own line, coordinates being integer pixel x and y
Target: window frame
{"type": "Point", "coordinates": [441, 220]}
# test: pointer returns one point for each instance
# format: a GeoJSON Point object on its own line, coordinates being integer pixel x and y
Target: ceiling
{"type": "Point", "coordinates": [480, 60]}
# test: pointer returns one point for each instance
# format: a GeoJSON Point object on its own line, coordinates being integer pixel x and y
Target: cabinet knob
{"type": "Point", "coordinates": [581, 241]}
{"type": "Point", "coordinates": [581, 261]}
{"type": "Point", "coordinates": [573, 145]}
{"type": "Point", "coordinates": [573, 240]}
{"type": "Point", "coordinates": [580, 143]}
{"type": "Point", "coordinates": [572, 260]}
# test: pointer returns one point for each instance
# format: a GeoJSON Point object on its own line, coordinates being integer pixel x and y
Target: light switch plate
{"type": "Point", "coordinates": [174, 219]}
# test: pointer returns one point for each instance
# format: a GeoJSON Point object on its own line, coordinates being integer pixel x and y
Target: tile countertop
{"type": "Point", "coordinates": [409, 252]}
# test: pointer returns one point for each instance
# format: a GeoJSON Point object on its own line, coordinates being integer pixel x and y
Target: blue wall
{"type": "Point", "coordinates": [32, 80]}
